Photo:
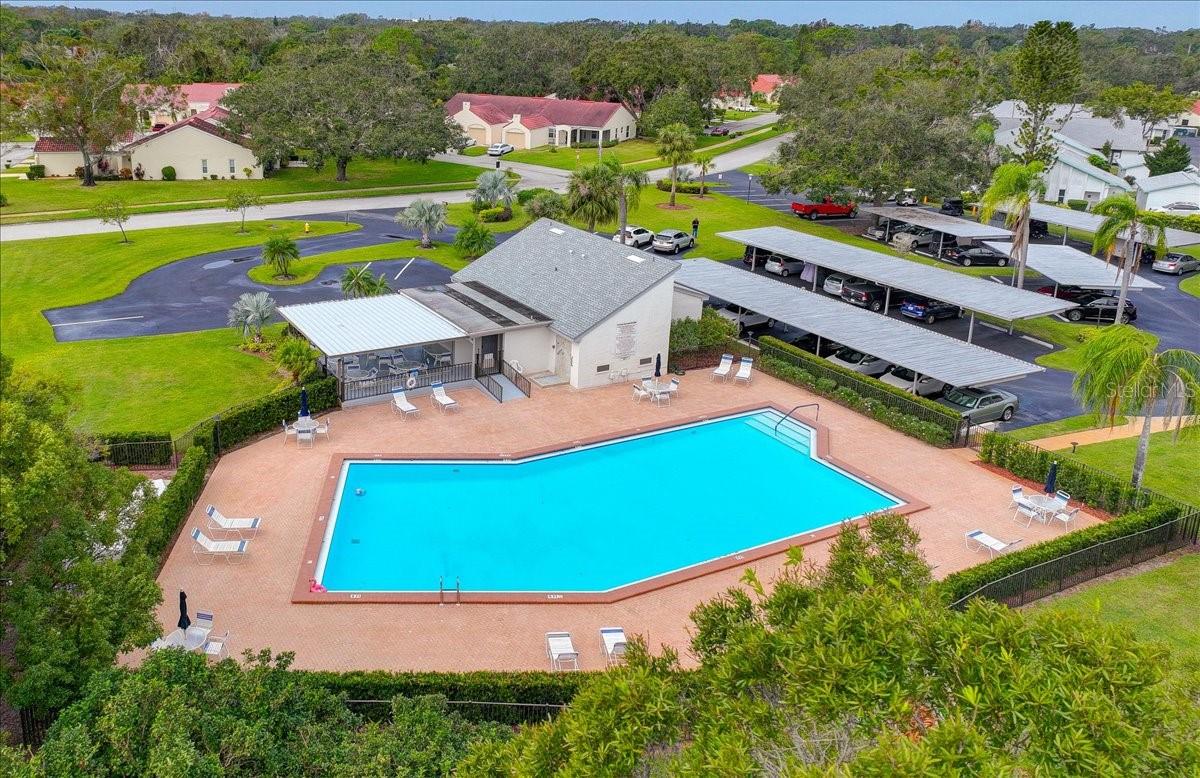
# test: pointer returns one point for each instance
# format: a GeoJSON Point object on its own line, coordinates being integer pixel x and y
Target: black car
{"type": "Point", "coordinates": [866, 295]}
{"type": "Point", "coordinates": [1071, 294]}
{"type": "Point", "coordinates": [757, 257]}
{"type": "Point", "coordinates": [808, 342]}
{"type": "Point", "coordinates": [928, 310]}
{"type": "Point", "coordinates": [975, 255]}
{"type": "Point", "coordinates": [952, 206]}
{"type": "Point", "coordinates": [1100, 307]}
{"type": "Point", "coordinates": [1038, 229]}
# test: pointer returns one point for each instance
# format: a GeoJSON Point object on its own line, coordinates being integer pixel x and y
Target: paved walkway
{"type": "Point", "coordinates": [1083, 437]}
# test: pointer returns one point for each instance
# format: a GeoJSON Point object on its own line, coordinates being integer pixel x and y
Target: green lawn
{"type": "Point", "coordinates": [1191, 284]}
{"type": "Point", "coordinates": [1158, 605]}
{"type": "Point", "coordinates": [1170, 466]}
{"type": "Point", "coordinates": [733, 115]}
{"type": "Point", "coordinates": [1051, 429]}
{"type": "Point", "coordinates": [59, 194]}
{"type": "Point", "coordinates": [458, 214]}
{"type": "Point", "coordinates": [757, 168]}
{"type": "Point", "coordinates": [309, 267]}
{"type": "Point", "coordinates": [164, 382]}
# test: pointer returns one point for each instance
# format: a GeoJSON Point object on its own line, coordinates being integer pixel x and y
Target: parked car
{"type": "Point", "coordinates": [757, 258]}
{"type": "Point", "coordinates": [866, 294]}
{"type": "Point", "coordinates": [1100, 307]}
{"type": "Point", "coordinates": [882, 232]}
{"type": "Point", "coordinates": [912, 238]}
{"type": "Point", "coordinates": [808, 342]}
{"type": "Point", "coordinates": [975, 255]}
{"type": "Point", "coordinates": [1181, 208]}
{"type": "Point", "coordinates": [907, 197]}
{"type": "Point", "coordinates": [1176, 263]}
{"type": "Point", "coordinates": [827, 207]}
{"type": "Point", "coordinates": [673, 241]}
{"type": "Point", "coordinates": [638, 237]}
{"type": "Point", "coordinates": [928, 310]}
{"type": "Point", "coordinates": [783, 266]}
{"type": "Point", "coordinates": [952, 206]}
{"type": "Point", "coordinates": [980, 405]}
{"type": "Point", "coordinates": [1038, 229]}
{"type": "Point", "coordinates": [902, 378]}
{"type": "Point", "coordinates": [835, 281]}
{"type": "Point", "coordinates": [1068, 293]}
{"type": "Point", "coordinates": [499, 149]}
{"type": "Point", "coordinates": [853, 359]}
{"type": "Point", "coordinates": [746, 320]}
{"type": "Point", "coordinates": [718, 130]}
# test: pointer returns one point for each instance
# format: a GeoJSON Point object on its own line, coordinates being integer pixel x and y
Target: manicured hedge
{"type": "Point", "coordinates": [35, 172]}
{"type": "Point", "coordinates": [136, 448]}
{"type": "Point", "coordinates": [161, 522]}
{"type": "Point", "coordinates": [242, 422]}
{"type": "Point", "coordinates": [525, 195]}
{"type": "Point", "coordinates": [498, 214]}
{"type": "Point", "coordinates": [958, 585]}
{"type": "Point", "coordinates": [684, 187]}
{"type": "Point", "coordinates": [1077, 205]}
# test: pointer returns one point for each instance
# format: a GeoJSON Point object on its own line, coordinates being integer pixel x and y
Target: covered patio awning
{"type": "Point", "coordinates": [950, 225]}
{"type": "Point", "coordinates": [1090, 222]}
{"type": "Point", "coordinates": [1067, 266]}
{"type": "Point", "coordinates": [339, 328]}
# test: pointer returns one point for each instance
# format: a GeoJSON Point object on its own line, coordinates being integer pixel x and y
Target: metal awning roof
{"type": "Point", "coordinates": [1068, 266]}
{"type": "Point", "coordinates": [1090, 222]}
{"type": "Point", "coordinates": [927, 352]}
{"type": "Point", "coordinates": [970, 293]}
{"type": "Point", "coordinates": [951, 225]}
{"type": "Point", "coordinates": [340, 327]}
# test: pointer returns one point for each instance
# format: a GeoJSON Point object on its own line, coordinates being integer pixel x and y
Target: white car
{"type": "Point", "coordinates": [1181, 208]}
{"type": "Point", "coordinates": [783, 266]}
{"type": "Point", "coordinates": [499, 149]}
{"type": "Point", "coordinates": [902, 378]}
{"type": "Point", "coordinates": [855, 360]}
{"type": "Point", "coordinates": [746, 320]}
{"type": "Point", "coordinates": [673, 241]}
{"type": "Point", "coordinates": [835, 281]}
{"type": "Point", "coordinates": [638, 237]}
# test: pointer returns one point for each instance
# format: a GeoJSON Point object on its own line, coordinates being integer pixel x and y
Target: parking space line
{"type": "Point", "coordinates": [96, 321]}
{"type": "Point", "coordinates": [1041, 343]}
{"type": "Point", "coordinates": [991, 326]}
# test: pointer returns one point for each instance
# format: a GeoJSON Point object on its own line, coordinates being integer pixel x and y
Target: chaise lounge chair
{"type": "Point", "coordinates": [243, 527]}
{"type": "Point", "coordinates": [613, 643]}
{"type": "Point", "coordinates": [207, 548]}
{"type": "Point", "coordinates": [443, 400]}
{"type": "Point", "coordinates": [982, 540]}
{"type": "Point", "coordinates": [743, 373]}
{"type": "Point", "coordinates": [722, 370]}
{"type": "Point", "coordinates": [561, 651]}
{"type": "Point", "coordinates": [401, 405]}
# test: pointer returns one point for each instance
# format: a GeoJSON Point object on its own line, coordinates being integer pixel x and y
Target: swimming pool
{"type": "Point", "coordinates": [586, 520]}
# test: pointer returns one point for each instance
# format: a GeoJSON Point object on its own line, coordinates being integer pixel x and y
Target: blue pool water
{"type": "Point", "coordinates": [587, 520]}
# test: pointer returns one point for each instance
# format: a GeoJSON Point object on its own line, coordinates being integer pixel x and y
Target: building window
{"type": "Point", "coordinates": [232, 169]}
{"type": "Point", "coordinates": [204, 167]}
{"type": "Point", "coordinates": [1062, 195]}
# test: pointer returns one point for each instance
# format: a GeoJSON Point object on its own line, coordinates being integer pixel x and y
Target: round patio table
{"type": "Point", "coordinates": [305, 424]}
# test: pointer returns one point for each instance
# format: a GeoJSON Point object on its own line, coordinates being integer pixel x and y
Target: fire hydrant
{"type": "Point", "coordinates": [305, 228]}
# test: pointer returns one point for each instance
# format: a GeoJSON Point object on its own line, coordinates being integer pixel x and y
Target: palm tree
{"type": "Point", "coordinates": [593, 194]}
{"type": "Point", "coordinates": [676, 145]}
{"type": "Point", "coordinates": [493, 189]}
{"type": "Point", "coordinates": [705, 163]}
{"type": "Point", "coordinates": [359, 281]}
{"type": "Point", "coordinates": [297, 358]}
{"type": "Point", "coordinates": [426, 216]}
{"type": "Point", "coordinates": [1122, 373]}
{"type": "Point", "coordinates": [250, 313]}
{"type": "Point", "coordinates": [1014, 188]}
{"type": "Point", "coordinates": [629, 189]}
{"type": "Point", "coordinates": [1122, 216]}
{"type": "Point", "coordinates": [281, 252]}
{"type": "Point", "coordinates": [474, 239]}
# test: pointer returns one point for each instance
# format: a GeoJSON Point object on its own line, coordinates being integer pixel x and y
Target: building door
{"type": "Point", "coordinates": [489, 353]}
{"type": "Point", "coordinates": [562, 357]}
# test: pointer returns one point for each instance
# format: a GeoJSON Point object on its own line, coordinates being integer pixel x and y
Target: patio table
{"type": "Point", "coordinates": [178, 638]}
{"type": "Point", "coordinates": [1046, 504]}
{"type": "Point", "coordinates": [306, 424]}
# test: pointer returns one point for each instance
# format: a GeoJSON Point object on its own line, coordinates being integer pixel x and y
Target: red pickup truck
{"type": "Point", "coordinates": [826, 207]}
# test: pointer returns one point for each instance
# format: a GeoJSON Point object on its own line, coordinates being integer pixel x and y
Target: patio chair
{"type": "Point", "coordinates": [743, 373]}
{"type": "Point", "coordinates": [613, 643]}
{"type": "Point", "coordinates": [640, 392]}
{"type": "Point", "coordinates": [666, 393]}
{"type": "Point", "coordinates": [207, 548]}
{"type": "Point", "coordinates": [1066, 517]}
{"type": "Point", "coordinates": [323, 428]}
{"type": "Point", "coordinates": [195, 635]}
{"type": "Point", "coordinates": [306, 436]}
{"type": "Point", "coordinates": [443, 400]}
{"type": "Point", "coordinates": [561, 651]}
{"type": "Point", "coordinates": [215, 647]}
{"type": "Point", "coordinates": [722, 370]}
{"type": "Point", "coordinates": [401, 405]}
{"type": "Point", "coordinates": [1030, 511]}
{"type": "Point", "coordinates": [247, 527]}
{"type": "Point", "coordinates": [1062, 497]}
{"type": "Point", "coordinates": [982, 540]}
{"type": "Point", "coordinates": [287, 431]}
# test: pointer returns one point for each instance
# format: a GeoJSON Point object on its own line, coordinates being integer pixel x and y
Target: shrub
{"type": "Point", "coordinates": [499, 214]}
{"type": "Point", "coordinates": [158, 527]}
{"type": "Point", "coordinates": [168, 173]}
{"type": "Point", "coordinates": [3, 199]}
{"type": "Point", "coordinates": [126, 174]}
{"type": "Point", "coordinates": [248, 172]}
{"type": "Point", "coordinates": [37, 171]}
{"type": "Point", "coordinates": [1077, 205]}
{"type": "Point", "coordinates": [525, 195]}
{"type": "Point", "coordinates": [139, 172]}
{"type": "Point", "coordinates": [683, 187]}
{"type": "Point", "coordinates": [473, 240]}
{"type": "Point", "coordinates": [547, 205]}
{"type": "Point", "coordinates": [242, 422]}
{"type": "Point", "coordinates": [137, 448]}
{"type": "Point", "coordinates": [212, 176]}
{"type": "Point", "coordinates": [79, 172]}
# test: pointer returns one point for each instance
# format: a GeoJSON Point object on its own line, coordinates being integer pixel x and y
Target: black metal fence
{"type": "Point", "coordinates": [34, 726]}
{"type": "Point", "coordinates": [1055, 575]}
{"type": "Point", "coordinates": [514, 713]}
{"type": "Point", "coordinates": [517, 377]}
{"type": "Point", "coordinates": [491, 385]}
{"type": "Point", "coordinates": [362, 388]}
{"type": "Point", "coordinates": [137, 455]}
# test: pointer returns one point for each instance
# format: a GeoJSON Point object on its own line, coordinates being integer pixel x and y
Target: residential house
{"type": "Point", "coordinates": [163, 105]}
{"type": "Point", "coordinates": [1156, 192]}
{"type": "Point", "coordinates": [61, 157]}
{"type": "Point", "coordinates": [1073, 176]}
{"type": "Point", "coordinates": [532, 122]}
{"type": "Point", "coordinates": [765, 86]}
{"type": "Point", "coordinates": [1083, 127]}
{"type": "Point", "coordinates": [1189, 118]}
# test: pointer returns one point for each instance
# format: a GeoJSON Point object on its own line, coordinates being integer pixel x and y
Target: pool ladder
{"type": "Point", "coordinates": [798, 407]}
{"type": "Point", "coordinates": [442, 590]}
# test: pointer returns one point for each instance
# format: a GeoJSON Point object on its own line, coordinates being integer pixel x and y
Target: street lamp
{"type": "Point", "coordinates": [749, 178]}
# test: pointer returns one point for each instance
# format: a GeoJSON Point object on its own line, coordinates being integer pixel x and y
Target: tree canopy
{"type": "Point", "coordinates": [1046, 74]}
{"type": "Point", "coordinates": [1171, 157]}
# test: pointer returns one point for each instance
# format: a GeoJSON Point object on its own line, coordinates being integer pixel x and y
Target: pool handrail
{"type": "Point", "coordinates": [816, 416]}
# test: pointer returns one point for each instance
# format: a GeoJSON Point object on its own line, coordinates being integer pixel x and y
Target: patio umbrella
{"type": "Point", "coordinates": [1052, 478]}
{"type": "Point", "coordinates": [184, 621]}
{"type": "Point", "coordinates": [303, 403]}
{"type": "Point", "coordinates": [658, 366]}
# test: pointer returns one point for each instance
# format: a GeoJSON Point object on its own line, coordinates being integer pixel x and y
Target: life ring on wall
{"type": "Point", "coordinates": [410, 382]}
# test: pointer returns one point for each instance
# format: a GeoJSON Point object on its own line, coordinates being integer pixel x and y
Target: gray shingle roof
{"type": "Point", "coordinates": [576, 278]}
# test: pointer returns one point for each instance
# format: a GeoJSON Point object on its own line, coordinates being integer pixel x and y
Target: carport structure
{"type": "Point", "coordinates": [1067, 266]}
{"type": "Point", "coordinates": [923, 351]}
{"type": "Point", "coordinates": [974, 295]}
{"type": "Point", "coordinates": [1069, 218]}
{"type": "Point", "coordinates": [942, 224]}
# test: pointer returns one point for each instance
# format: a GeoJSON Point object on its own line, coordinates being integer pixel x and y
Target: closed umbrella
{"type": "Point", "coordinates": [303, 403]}
{"type": "Point", "coordinates": [658, 366]}
{"type": "Point", "coordinates": [184, 621]}
{"type": "Point", "coordinates": [1052, 478]}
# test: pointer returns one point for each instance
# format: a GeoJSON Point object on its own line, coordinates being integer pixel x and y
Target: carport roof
{"type": "Point", "coordinates": [929, 353]}
{"type": "Point", "coordinates": [1090, 222]}
{"type": "Point", "coordinates": [1069, 266]}
{"type": "Point", "coordinates": [356, 326]}
{"type": "Point", "coordinates": [951, 225]}
{"type": "Point", "coordinates": [973, 294]}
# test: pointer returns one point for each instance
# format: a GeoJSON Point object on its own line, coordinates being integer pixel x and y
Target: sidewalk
{"type": "Point", "coordinates": [1083, 437]}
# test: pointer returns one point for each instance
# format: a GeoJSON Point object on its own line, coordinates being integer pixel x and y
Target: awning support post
{"type": "Point", "coordinates": [1012, 325]}
{"type": "Point", "coordinates": [1066, 230]}
{"type": "Point", "coordinates": [941, 240]}
{"type": "Point", "coordinates": [916, 377]}
{"type": "Point", "coordinates": [971, 327]}
{"type": "Point", "coordinates": [887, 300]}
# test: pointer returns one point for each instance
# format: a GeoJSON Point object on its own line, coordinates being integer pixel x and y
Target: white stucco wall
{"type": "Point", "coordinates": [63, 163]}
{"type": "Point", "coordinates": [532, 348]}
{"type": "Point", "coordinates": [469, 121]}
{"type": "Point", "coordinates": [686, 304]}
{"type": "Point", "coordinates": [185, 148]}
{"type": "Point", "coordinates": [1078, 185]}
{"type": "Point", "coordinates": [651, 312]}
{"type": "Point", "coordinates": [623, 124]}
{"type": "Point", "coordinates": [1188, 193]}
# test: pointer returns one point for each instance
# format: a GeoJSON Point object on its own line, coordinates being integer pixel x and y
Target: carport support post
{"type": "Point", "coordinates": [1066, 230]}
{"type": "Point", "coordinates": [971, 327]}
{"type": "Point", "coordinates": [816, 272]}
{"type": "Point", "coordinates": [887, 230]}
{"type": "Point", "coordinates": [916, 377]}
{"type": "Point", "coordinates": [941, 240]}
{"type": "Point", "coordinates": [887, 300]}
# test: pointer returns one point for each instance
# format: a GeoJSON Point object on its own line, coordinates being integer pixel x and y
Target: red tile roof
{"type": "Point", "coordinates": [535, 122]}
{"type": "Point", "coordinates": [1196, 107]}
{"type": "Point", "coordinates": [490, 113]}
{"type": "Point", "coordinates": [205, 121]}
{"type": "Point", "coordinates": [51, 145]}
{"type": "Point", "coordinates": [581, 113]}
{"type": "Point", "coordinates": [766, 83]}
{"type": "Point", "coordinates": [198, 93]}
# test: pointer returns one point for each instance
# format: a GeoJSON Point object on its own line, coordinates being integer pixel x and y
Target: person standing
{"type": "Point", "coordinates": [695, 228]}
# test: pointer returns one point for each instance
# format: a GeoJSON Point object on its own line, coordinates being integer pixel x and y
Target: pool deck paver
{"type": "Point", "coordinates": [283, 484]}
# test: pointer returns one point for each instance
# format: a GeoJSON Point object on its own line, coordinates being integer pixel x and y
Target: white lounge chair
{"type": "Point", "coordinates": [613, 644]}
{"type": "Point", "coordinates": [207, 548]}
{"type": "Point", "coordinates": [722, 370]}
{"type": "Point", "coordinates": [245, 528]}
{"type": "Point", "coordinates": [743, 373]}
{"type": "Point", "coordinates": [640, 392]}
{"type": "Point", "coordinates": [1066, 517]}
{"type": "Point", "coordinates": [443, 400]}
{"type": "Point", "coordinates": [215, 647]}
{"type": "Point", "coordinates": [982, 540]}
{"type": "Point", "coordinates": [401, 405]}
{"type": "Point", "coordinates": [287, 431]}
{"type": "Point", "coordinates": [561, 651]}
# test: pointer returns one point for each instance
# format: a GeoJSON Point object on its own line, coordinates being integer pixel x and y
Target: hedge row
{"type": "Point", "coordinates": [684, 187]}
{"type": "Point", "coordinates": [136, 448]}
{"type": "Point", "coordinates": [242, 422]}
{"type": "Point", "coordinates": [958, 585]}
{"type": "Point", "coordinates": [1085, 484]}
{"type": "Point", "coordinates": [160, 524]}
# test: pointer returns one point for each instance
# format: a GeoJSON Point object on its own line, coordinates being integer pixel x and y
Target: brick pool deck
{"type": "Point", "coordinates": [284, 485]}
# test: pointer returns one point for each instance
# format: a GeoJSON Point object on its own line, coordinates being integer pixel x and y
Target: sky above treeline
{"type": "Point", "coordinates": [1167, 14]}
